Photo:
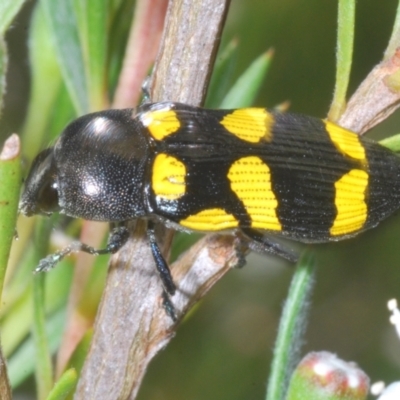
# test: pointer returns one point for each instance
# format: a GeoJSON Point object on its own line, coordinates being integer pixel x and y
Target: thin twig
{"type": "Point", "coordinates": [376, 98]}
{"type": "Point", "coordinates": [131, 326]}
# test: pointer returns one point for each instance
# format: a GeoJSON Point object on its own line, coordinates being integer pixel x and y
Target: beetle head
{"type": "Point", "coordinates": [95, 170]}
{"type": "Point", "coordinates": [40, 195]}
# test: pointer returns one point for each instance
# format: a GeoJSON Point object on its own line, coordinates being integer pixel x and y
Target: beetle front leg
{"type": "Point", "coordinates": [118, 237]}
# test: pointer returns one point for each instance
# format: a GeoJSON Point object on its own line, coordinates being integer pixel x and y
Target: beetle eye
{"type": "Point", "coordinates": [47, 201]}
{"type": "Point", "coordinates": [40, 195]}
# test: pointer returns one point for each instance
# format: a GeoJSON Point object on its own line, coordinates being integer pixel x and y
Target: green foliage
{"type": "Point", "coordinates": [344, 56]}
{"type": "Point", "coordinates": [292, 328]}
{"type": "Point", "coordinates": [76, 51]}
{"type": "Point", "coordinates": [64, 386]}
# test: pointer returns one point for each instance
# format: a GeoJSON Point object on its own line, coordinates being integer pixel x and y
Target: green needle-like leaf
{"type": "Point", "coordinates": [3, 70]}
{"type": "Point", "coordinates": [394, 41]}
{"type": "Point", "coordinates": [26, 354]}
{"type": "Point", "coordinates": [44, 371]}
{"type": "Point", "coordinates": [64, 27]}
{"type": "Point", "coordinates": [244, 91]}
{"type": "Point", "coordinates": [45, 73]}
{"type": "Point", "coordinates": [344, 55]}
{"type": "Point", "coordinates": [222, 75]}
{"type": "Point", "coordinates": [10, 182]}
{"type": "Point", "coordinates": [392, 143]}
{"type": "Point", "coordinates": [92, 16]}
{"type": "Point", "coordinates": [64, 385]}
{"type": "Point", "coordinates": [8, 10]}
{"type": "Point", "coordinates": [291, 328]}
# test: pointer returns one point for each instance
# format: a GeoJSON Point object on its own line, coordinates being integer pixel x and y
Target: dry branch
{"type": "Point", "coordinates": [131, 326]}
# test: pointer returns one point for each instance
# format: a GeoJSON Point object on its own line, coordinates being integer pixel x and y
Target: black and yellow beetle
{"type": "Point", "coordinates": [195, 169]}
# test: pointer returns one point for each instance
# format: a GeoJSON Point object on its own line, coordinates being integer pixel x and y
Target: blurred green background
{"type": "Point", "coordinates": [224, 349]}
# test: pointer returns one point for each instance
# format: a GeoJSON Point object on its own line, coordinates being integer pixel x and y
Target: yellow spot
{"type": "Point", "coordinates": [212, 219]}
{"type": "Point", "coordinates": [350, 203]}
{"type": "Point", "coordinates": [346, 141]}
{"type": "Point", "coordinates": [249, 124]}
{"type": "Point", "coordinates": [161, 123]}
{"type": "Point", "coordinates": [168, 180]}
{"type": "Point", "coordinates": [251, 180]}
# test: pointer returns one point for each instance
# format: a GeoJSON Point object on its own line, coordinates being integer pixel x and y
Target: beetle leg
{"type": "Point", "coordinates": [164, 272]}
{"type": "Point", "coordinates": [146, 90]}
{"type": "Point", "coordinates": [168, 306]}
{"type": "Point", "coordinates": [161, 264]}
{"type": "Point", "coordinates": [118, 237]}
{"type": "Point", "coordinates": [262, 243]}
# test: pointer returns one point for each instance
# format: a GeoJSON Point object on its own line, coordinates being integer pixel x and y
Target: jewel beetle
{"type": "Point", "coordinates": [251, 170]}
